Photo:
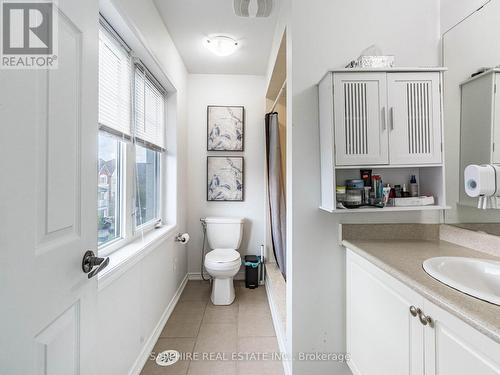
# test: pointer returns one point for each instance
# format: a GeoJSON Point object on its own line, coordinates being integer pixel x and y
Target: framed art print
{"type": "Point", "coordinates": [225, 128]}
{"type": "Point", "coordinates": [225, 178]}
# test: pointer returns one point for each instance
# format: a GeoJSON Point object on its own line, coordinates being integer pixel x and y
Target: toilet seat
{"type": "Point", "coordinates": [222, 259]}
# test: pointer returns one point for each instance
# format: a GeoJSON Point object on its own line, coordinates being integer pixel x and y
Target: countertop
{"type": "Point", "coordinates": [403, 260]}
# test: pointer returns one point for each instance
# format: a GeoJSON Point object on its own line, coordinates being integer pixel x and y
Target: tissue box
{"type": "Point", "coordinates": [413, 201]}
{"type": "Point", "coordinates": [386, 61]}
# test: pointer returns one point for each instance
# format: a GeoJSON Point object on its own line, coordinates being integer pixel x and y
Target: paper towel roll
{"type": "Point", "coordinates": [482, 180]}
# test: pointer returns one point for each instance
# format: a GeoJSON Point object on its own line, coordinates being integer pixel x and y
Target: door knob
{"type": "Point", "coordinates": [90, 261]}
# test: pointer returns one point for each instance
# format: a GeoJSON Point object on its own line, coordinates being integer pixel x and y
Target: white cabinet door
{"type": "Point", "coordinates": [48, 164]}
{"type": "Point", "coordinates": [382, 336]}
{"type": "Point", "coordinates": [360, 118]}
{"type": "Point", "coordinates": [453, 347]}
{"type": "Point", "coordinates": [414, 118]}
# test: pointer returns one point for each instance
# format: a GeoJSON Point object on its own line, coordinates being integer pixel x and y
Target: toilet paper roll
{"type": "Point", "coordinates": [482, 180]}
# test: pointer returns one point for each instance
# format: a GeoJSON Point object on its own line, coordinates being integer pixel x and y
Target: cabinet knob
{"type": "Point", "coordinates": [425, 319]}
{"type": "Point", "coordinates": [414, 311]}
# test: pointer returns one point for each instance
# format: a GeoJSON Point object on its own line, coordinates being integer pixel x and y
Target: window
{"type": "Point", "coordinates": [147, 191]}
{"type": "Point", "coordinates": [109, 189]}
{"type": "Point", "coordinates": [131, 143]}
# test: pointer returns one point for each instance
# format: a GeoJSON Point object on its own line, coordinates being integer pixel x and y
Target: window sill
{"type": "Point", "coordinates": [121, 260]}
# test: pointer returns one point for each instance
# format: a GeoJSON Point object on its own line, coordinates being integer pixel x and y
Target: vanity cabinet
{"type": "Point", "coordinates": [391, 329]}
{"type": "Point", "coordinates": [380, 119]}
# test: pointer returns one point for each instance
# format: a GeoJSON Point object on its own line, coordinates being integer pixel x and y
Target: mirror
{"type": "Point", "coordinates": [471, 52]}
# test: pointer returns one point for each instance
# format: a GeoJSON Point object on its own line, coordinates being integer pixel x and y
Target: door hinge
{"type": "Point", "coordinates": [440, 89]}
{"type": "Point", "coordinates": [495, 88]}
{"type": "Point", "coordinates": [441, 147]}
{"type": "Point", "coordinates": [493, 146]}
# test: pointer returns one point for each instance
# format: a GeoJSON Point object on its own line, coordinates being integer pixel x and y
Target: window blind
{"type": "Point", "coordinates": [115, 71]}
{"type": "Point", "coordinates": [149, 108]}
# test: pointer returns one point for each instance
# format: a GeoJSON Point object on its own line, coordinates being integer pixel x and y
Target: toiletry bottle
{"type": "Point", "coordinates": [413, 186]}
{"type": "Point", "coordinates": [405, 193]}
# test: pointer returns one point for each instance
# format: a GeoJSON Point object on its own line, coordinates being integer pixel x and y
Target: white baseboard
{"type": "Point", "coordinates": [197, 276]}
{"type": "Point", "coordinates": [278, 328]}
{"type": "Point", "coordinates": [151, 341]}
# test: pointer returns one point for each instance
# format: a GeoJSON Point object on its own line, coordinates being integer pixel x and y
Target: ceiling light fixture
{"type": "Point", "coordinates": [221, 45]}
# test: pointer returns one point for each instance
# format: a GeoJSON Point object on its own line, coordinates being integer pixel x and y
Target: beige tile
{"type": "Point", "coordinates": [181, 328]}
{"type": "Point", "coordinates": [268, 345]}
{"type": "Point", "coordinates": [217, 338]}
{"type": "Point", "coordinates": [244, 295]}
{"type": "Point", "coordinates": [255, 325]}
{"type": "Point", "coordinates": [189, 310]}
{"type": "Point", "coordinates": [221, 314]}
{"type": "Point", "coordinates": [259, 368]}
{"type": "Point", "coordinates": [212, 368]}
{"type": "Point", "coordinates": [182, 345]}
{"type": "Point", "coordinates": [196, 291]}
{"type": "Point", "coordinates": [257, 308]}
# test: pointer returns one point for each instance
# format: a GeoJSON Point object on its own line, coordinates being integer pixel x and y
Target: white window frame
{"type": "Point", "coordinates": [129, 232]}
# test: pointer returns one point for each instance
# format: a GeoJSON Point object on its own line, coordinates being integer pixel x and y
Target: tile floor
{"type": "Point", "coordinates": [200, 329]}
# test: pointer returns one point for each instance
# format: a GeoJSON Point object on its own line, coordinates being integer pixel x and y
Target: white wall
{"type": "Point", "coordinates": [453, 11]}
{"type": "Point", "coordinates": [131, 306]}
{"type": "Point", "coordinates": [327, 34]}
{"type": "Point", "coordinates": [248, 91]}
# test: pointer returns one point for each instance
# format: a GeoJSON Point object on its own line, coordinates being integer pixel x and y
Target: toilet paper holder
{"type": "Point", "coordinates": [483, 182]}
{"type": "Point", "coordinates": [182, 238]}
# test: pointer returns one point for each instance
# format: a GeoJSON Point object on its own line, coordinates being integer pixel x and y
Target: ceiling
{"type": "Point", "coordinates": [190, 21]}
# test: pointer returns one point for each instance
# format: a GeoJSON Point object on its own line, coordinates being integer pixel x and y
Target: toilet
{"type": "Point", "coordinates": [223, 262]}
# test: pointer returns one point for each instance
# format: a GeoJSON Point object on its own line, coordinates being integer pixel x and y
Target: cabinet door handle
{"type": "Point", "coordinates": [391, 115]}
{"type": "Point", "coordinates": [425, 319]}
{"type": "Point", "coordinates": [384, 122]}
{"type": "Point", "coordinates": [414, 311]}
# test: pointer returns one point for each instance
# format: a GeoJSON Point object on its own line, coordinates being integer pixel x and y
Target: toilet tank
{"type": "Point", "coordinates": [224, 232]}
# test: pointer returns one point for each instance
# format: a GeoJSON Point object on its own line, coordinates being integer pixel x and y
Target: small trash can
{"type": "Point", "coordinates": [252, 263]}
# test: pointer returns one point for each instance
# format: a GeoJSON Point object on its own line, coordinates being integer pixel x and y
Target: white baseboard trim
{"type": "Point", "coordinates": [278, 328]}
{"type": "Point", "coordinates": [197, 276]}
{"type": "Point", "coordinates": [151, 341]}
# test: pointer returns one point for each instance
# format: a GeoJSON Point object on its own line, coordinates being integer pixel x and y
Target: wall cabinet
{"type": "Point", "coordinates": [385, 333]}
{"type": "Point", "coordinates": [379, 118]}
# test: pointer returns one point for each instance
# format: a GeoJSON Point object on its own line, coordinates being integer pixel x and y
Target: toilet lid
{"type": "Point", "coordinates": [222, 256]}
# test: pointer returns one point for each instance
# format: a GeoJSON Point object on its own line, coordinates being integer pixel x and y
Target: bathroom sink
{"type": "Point", "coordinates": [478, 278]}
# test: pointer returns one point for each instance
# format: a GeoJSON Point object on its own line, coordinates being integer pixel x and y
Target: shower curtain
{"type": "Point", "coordinates": [276, 191]}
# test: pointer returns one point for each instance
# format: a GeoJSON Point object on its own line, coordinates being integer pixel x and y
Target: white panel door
{"type": "Point", "coordinates": [414, 118]}
{"type": "Point", "coordinates": [382, 336]}
{"type": "Point", "coordinates": [360, 101]}
{"type": "Point", "coordinates": [453, 347]}
{"type": "Point", "coordinates": [48, 188]}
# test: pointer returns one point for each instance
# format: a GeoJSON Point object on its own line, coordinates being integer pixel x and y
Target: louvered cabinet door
{"type": "Point", "coordinates": [360, 119]}
{"type": "Point", "coordinates": [414, 118]}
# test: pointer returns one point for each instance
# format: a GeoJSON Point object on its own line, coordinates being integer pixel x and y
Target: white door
{"type": "Point", "coordinates": [360, 118]}
{"type": "Point", "coordinates": [453, 347]}
{"type": "Point", "coordinates": [48, 152]}
{"type": "Point", "coordinates": [414, 118]}
{"type": "Point", "coordinates": [382, 335]}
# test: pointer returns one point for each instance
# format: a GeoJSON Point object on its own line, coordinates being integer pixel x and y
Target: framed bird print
{"type": "Point", "coordinates": [225, 178]}
{"type": "Point", "coordinates": [225, 128]}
